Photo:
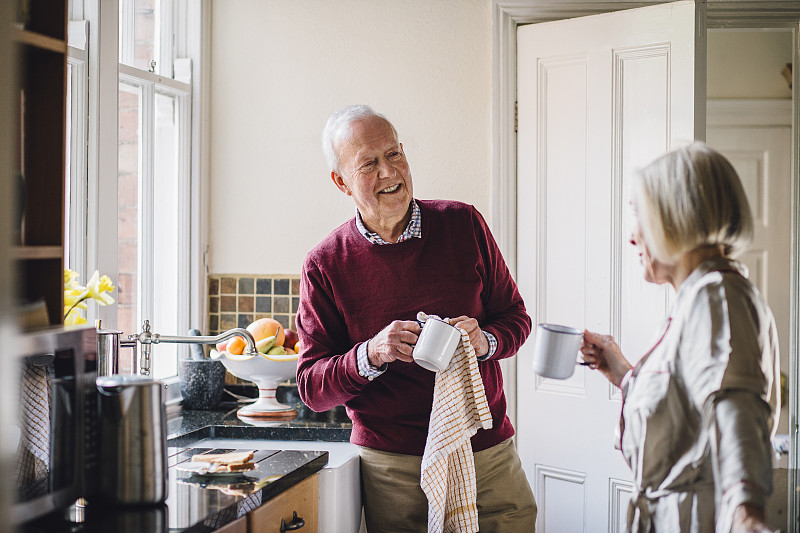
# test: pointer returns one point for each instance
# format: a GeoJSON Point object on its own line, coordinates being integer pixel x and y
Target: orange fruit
{"type": "Point", "coordinates": [236, 346]}
{"type": "Point", "coordinates": [267, 327]}
{"type": "Point", "coordinates": [297, 347]}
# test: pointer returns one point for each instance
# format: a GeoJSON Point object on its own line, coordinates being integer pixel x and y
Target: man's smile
{"type": "Point", "coordinates": [391, 189]}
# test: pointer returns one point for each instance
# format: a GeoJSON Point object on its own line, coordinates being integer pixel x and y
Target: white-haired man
{"type": "Point", "coordinates": [361, 289]}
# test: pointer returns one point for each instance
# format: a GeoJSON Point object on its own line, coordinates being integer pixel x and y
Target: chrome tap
{"type": "Point", "coordinates": [147, 339]}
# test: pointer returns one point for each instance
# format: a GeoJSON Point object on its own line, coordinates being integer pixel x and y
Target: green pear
{"type": "Point", "coordinates": [265, 344]}
{"type": "Point", "coordinates": [276, 350]}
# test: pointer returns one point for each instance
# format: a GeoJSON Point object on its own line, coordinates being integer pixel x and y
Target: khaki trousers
{"type": "Point", "coordinates": [395, 503]}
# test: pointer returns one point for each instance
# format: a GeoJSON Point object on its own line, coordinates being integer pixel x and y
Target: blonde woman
{"type": "Point", "coordinates": [701, 405]}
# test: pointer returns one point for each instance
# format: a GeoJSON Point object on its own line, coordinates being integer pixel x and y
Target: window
{"type": "Point", "coordinates": [152, 189]}
{"type": "Point", "coordinates": [144, 42]}
{"type": "Point", "coordinates": [131, 215]}
{"type": "Point", "coordinates": [152, 199]}
{"type": "Point", "coordinates": [76, 183]}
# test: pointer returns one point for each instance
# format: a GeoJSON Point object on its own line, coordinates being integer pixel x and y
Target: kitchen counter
{"type": "Point", "coordinates": [190, 426]}
{"type": "Point", "coordinates": [202, 504]}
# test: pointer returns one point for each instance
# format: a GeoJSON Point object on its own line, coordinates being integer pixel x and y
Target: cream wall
{"type": "Point", "coordinates": [748, 64]}
{"type": "Point", "coordinates": [281, 67]}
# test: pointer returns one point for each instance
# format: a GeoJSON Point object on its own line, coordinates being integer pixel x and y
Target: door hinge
{"type": "Point", "coordinates": [516, 117]}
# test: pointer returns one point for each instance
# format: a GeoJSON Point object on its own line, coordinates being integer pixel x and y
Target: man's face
{"type": "Point", "coordinates": [374, 171]}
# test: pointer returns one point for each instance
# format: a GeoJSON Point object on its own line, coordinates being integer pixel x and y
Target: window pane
{"type": "Point", "coordinates": [166, 237]}
{"type": "Point", "coordinates": [68, 229]}
{"type": "Point", "coordinates": [128, 186]}
{"type": "Point", "coordinates": [76, 176]}
{"type": "Point", "coordinates": [140, 33]}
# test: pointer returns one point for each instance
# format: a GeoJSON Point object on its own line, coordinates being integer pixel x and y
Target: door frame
{"type": "Point", "coordinates": [507, 15]}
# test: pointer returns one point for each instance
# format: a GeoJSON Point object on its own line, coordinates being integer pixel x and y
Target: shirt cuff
{"type": "Point", "coordinates": [492, 346]}
{"type": "Point", "coordinates": [365, 368]}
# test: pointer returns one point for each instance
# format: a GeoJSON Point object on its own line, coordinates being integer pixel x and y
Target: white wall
{"type": "Point", "coordinates": [281, 67]}
{"type": "Point", "coordinates": [748, 64]}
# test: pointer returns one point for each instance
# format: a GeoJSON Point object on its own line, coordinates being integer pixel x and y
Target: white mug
{"type": "Point", "coordinates": [556, 351]}
{"type": "Point", "coordinates": [436, 345]}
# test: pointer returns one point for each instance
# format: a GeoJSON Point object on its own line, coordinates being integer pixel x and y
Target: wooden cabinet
{"type": "Point", "coordinates": [40, 50]}
{"type": "Point", "coordinates": [302, 499]}
{"type": "Point", "coordinates": [237, 526]}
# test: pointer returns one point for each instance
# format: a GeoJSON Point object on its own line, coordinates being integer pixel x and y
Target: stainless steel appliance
{"type": "Point", "coordinates": [133, 440]}
{"type": "Point", "coordinates": [108, 347]}
{"type": "Point", "coordinates": [56, 434]}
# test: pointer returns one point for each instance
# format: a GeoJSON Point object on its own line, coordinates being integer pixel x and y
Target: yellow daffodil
{"type": "Point", "coordinates": [73, 317]}
{"type": "Point", "coordinates": [98, 288]}
{"type": "Point", "coordinates": [74, 298]}
{"type": "Point", "coordinates": [75, 295]}
{"type": "Point", "coordinates": [71, 279]}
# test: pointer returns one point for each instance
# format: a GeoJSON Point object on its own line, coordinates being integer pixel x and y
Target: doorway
{"type": "Point", "coordinates": [505, 190]}
{"type": "Point", "coordinates": [749, 121]}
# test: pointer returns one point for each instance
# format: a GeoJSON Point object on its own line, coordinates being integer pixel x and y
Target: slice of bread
{"type": "Point", "coordinates": [240, 467]}
{"type": "Point", "coordinates": [218, 468]}
{"type": "Point", "coordinates": [230, 458]}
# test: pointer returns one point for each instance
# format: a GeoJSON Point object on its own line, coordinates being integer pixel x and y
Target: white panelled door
{"type": "Point", "coordinates": [598, 96]}
{"type": "Point", "coordinates": [761, 156]}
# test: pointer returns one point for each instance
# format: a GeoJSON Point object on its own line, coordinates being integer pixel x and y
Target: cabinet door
{"type": "Point", "coordinates": [302, 499]}
{"type": "Point", "coordinates": [237, 526]}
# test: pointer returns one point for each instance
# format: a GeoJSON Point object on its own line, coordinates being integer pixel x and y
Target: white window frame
{"type": "Point", "coordinates": [150, 84]}
{"type": "Point", "coordinates": [165, 51]}
{"type": "Point", "coordinates": [189, 40]}
{"type": "Point", "coordinates": [78, 60]}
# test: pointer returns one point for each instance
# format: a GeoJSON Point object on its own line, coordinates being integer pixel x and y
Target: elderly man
{"type": "Point", "coordinates": [361, 289]}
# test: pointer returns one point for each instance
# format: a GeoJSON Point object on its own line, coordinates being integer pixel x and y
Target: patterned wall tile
{"type": "Point", "coordinates": [236, 300]}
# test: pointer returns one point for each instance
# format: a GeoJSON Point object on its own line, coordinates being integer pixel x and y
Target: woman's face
{"type": "Point", "coordinates": [654, 270]}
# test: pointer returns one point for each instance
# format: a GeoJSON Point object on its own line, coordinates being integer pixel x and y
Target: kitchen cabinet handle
{"type": "Point", "coordinates": [295, 524]}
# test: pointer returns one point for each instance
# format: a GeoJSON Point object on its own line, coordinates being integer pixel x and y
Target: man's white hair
{"type": "Point", "coordinates": [338, 128]}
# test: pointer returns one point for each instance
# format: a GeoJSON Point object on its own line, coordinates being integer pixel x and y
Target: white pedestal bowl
{"type": "Point", "coordinates": [267, 372]}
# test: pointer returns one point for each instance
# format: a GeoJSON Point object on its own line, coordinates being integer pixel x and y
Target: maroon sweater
{"type": "Point", "coordinates": [351, 289]}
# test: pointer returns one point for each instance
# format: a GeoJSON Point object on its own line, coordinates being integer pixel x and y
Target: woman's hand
{"type": "Point", "coordinates": [395, 341]}
{"type": "Point", "coordinates": [476, 336]}
{"type": "Point", "coordinates": [749, 519]}
{"type": "Point", "coordinates": [602, 353]}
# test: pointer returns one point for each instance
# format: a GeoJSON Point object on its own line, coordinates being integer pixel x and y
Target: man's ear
{"type": "Point", "coordinates": [339, 182]}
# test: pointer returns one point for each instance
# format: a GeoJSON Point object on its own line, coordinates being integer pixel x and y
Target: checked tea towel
{"type": "Point", "coordinates": [459, 409]}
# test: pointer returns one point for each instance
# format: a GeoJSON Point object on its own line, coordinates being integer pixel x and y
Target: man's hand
{"type": "Point", "coordinates": [394, 342]}
{"type": "Point", "coordinates": [476, 336]}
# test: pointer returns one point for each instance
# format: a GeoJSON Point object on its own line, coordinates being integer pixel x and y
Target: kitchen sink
{"type": "Point", "coordinates": [339, 480]}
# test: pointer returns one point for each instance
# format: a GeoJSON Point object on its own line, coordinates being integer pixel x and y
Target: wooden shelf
{"type": "Point", "coordinates": [37, 252]}
{"type": "Point", "coordinates": [38, 40]}
{"type": "Point", "coordinates": [39, 116]}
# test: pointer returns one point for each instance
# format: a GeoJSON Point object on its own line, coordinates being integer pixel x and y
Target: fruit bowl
{"type": "Point", "coordinates": [267, 372]}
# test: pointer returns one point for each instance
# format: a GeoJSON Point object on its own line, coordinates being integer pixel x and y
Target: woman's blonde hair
{"type": "Point", "coordinates": [691, 197]}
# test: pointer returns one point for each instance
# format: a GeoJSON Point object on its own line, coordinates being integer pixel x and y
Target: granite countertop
{"type": "Point", "coordinates": [190, 426]}
{"type": "Point", "coordinates": [201, 503]}
{"type": "Point", "coordinates": [196, 503]}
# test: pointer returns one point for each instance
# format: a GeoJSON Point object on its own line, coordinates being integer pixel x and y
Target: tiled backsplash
{"type": "Point", "coordinates": [236, 300]}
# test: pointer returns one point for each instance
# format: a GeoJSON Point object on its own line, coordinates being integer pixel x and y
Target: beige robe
{"type": "Point", "coordinates": [700, 408]}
